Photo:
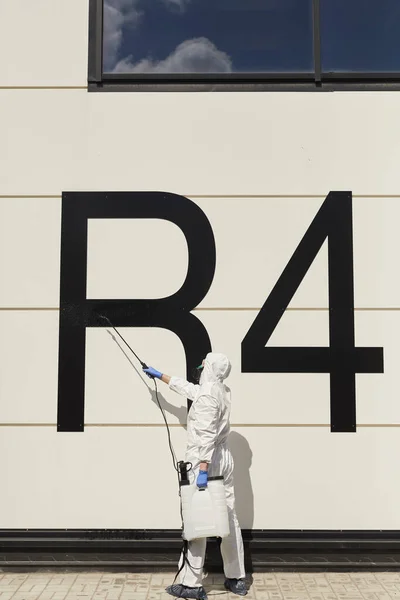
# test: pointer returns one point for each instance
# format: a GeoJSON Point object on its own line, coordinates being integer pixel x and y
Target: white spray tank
{"type": "Point", "coordinates": [204, 511]}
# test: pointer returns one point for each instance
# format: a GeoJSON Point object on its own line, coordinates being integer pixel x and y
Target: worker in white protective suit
{"type": "Point", "coordinates": [207, 432]}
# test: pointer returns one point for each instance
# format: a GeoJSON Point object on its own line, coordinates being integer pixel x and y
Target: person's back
{"type": "Point", "coordinates": [210, 411]}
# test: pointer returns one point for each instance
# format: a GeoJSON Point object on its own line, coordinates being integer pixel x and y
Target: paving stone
{"type": "Point", "coordinates": [261, 595]}
{"type": "Point", "coordinates": [48, 585]}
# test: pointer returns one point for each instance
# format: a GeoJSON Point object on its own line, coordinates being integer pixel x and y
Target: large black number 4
{"type": "Point", "coordinates": [341, 359]}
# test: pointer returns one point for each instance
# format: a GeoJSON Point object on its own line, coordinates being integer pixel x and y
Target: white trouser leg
{"type": "Point", "coordinates": [232, 549]}
{"type": "Point", "coordinates": [232, 546]}
{"type": "Point", "coordinates": [192, 575]}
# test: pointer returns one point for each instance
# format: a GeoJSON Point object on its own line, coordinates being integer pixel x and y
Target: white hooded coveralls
{"type": "Point", "coordinates": [207, 432]}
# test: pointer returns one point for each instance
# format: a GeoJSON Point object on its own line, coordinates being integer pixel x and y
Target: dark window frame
{"type": "Point", "coordinates": [227, 82]}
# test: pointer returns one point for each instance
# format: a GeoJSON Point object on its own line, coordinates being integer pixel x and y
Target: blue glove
{"type": "Point", "coordinates": [202, 479]}
{"type": "Point", "coordinates": [150, 372]}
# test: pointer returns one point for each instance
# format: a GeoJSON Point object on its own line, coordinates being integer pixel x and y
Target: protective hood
{"type": "Point", "coordinates": [216, 368]}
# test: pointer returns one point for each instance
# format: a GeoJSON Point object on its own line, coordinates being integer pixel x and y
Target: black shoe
{"type": "Point", "coordinates": [183, 591]}
{"type": "Point", "coordinates": [236, 586]}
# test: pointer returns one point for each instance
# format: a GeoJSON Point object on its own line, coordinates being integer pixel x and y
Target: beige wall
{"type": "Point", "coordinates": [290, 150]}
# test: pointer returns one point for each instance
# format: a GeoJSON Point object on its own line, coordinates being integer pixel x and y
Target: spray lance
{"type": "Point", "coordinates": [144, 366]}
{"type": "Point", "coordinates": [181, 467]}
{"type": "Point", "coordinates": [104, 318]}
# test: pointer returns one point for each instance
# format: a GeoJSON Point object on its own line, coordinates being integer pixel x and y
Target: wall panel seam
{"type": "Point", "coordinates": [27, 196]}
{"type": "Point", "coordinates": [222, 308]}
{"type": "Point", "coordinates": [227, 196]}
{"type": "Point", "coordinates": [43, 87]}
{"type": "Point", "coordinates": [178, 425]}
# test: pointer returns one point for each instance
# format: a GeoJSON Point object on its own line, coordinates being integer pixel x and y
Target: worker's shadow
{"type": "Point", "coordinates": [180, 412]}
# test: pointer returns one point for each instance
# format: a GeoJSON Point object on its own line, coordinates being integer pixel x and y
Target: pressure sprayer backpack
{"type": "Point", "coordinates": [204, 510]}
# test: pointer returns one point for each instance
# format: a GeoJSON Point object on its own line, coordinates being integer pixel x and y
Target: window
{"type": "Point", "coordinates": [207, 36]}
{"type": "Point", "coordinates": [360, 36]}
{"type": "Point", "coordinates": [243, 44]}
